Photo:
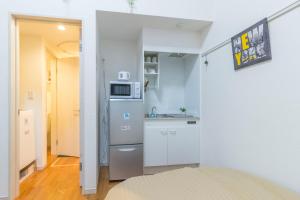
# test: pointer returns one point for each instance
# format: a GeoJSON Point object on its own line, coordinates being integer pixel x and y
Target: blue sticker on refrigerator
{"type": "Point", "coordinates": [126, 116]}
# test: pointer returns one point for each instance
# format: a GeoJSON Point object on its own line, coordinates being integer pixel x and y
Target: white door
{"type": "Point", "coordinates": [155, 146]}
{"type": "Point", "coordinates": [183, 145]}
{"type": "Point", "coordinates": [68, 107]}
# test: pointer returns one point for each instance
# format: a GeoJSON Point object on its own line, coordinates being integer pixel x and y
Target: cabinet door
{"type": "Point", "coordinates": [155, 146]}
{"type": "Point", "coordinates": [184, 145]}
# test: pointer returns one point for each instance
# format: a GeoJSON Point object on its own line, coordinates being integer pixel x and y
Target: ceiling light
{"type": "Point", "coordinates": [61, 27]}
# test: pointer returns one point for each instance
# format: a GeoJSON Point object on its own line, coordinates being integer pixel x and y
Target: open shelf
{"type": "Point", "coordinates": [151, 69]}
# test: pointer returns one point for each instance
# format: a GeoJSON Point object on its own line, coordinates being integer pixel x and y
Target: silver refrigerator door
{"type": "Point", "coordinates": [125, 161]}
{"type": "Point", "coordinates": [126, 122]}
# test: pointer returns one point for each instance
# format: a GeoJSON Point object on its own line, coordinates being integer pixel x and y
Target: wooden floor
{"type": "Point", "coordinates": [60, 181]}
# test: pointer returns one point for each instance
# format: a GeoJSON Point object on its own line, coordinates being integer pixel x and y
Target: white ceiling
{"type": "Point", "coordinates": [60, 43]}
{"type": "Point", "coordinates": [124, 26]}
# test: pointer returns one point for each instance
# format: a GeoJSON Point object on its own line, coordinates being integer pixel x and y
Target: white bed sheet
{"type": "Point", "coordinates": [199, 184]}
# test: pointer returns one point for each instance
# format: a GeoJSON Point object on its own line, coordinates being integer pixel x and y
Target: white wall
{"type": "Point", "coordinates": [250, 117]}
{"type": "Point", "coordinates": [33, 89]}
{"type": "Point", "coordinates": [191, 9]}
{"type": "Point", "coordinates": [172, 40]}
{"type": "Point", "coordinates": [119, 56]}
{"type": "Point", "coordinates": [192, 84]}
{"type": "Point", "coordinates": [4, 105]}
{"type": "Point", "coordinates": [179, 86]}
{"type": "Point", "coordinates": [186, 71]}
{"type": "Point", "coordinates": [169, 97]}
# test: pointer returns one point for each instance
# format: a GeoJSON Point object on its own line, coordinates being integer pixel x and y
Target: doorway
{"type": "Point", "coordinates": [47, 98]}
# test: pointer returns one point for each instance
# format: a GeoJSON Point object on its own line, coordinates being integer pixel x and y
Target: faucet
{"type": "Point", "coordinates": [153, 111]}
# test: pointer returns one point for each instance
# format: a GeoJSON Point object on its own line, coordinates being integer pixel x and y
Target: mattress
{"type": "Point", "coordinates": [199, 184]}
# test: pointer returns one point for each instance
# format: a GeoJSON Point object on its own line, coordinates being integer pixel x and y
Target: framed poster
{"type": "Point", "coordinates": [252, 46]}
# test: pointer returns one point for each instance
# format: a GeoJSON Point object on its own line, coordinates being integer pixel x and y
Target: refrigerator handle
{"type": "Point", "coordinates": [127, 149]}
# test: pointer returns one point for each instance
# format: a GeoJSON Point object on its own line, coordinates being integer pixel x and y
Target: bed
{"type": "Point", "coordinates": [199, 184]}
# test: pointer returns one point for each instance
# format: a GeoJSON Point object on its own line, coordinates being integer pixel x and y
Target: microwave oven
{"type": "Point", "coordinates": [125, 90]}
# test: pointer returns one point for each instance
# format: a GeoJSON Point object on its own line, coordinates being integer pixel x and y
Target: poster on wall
{"type": "Point", "coordinates": [251, 46]}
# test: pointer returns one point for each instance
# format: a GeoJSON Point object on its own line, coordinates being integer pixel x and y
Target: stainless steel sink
{"type": "Point", "coordinates": [168, 116]}
{"type": "Point", "coordinates": [158, 116]}
{"type": "Point", "coordinates": [165, 116]}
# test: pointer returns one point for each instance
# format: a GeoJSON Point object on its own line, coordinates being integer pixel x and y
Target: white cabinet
{"type": "Point", "coordinates": [171, 142]}
{"type": "Point", "coordinates": [155, 144]}
{"type": "Point", "coordinates": [183, 145]}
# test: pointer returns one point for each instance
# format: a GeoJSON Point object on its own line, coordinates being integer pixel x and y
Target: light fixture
{"type": "Point", "coordinates": [61, 27]}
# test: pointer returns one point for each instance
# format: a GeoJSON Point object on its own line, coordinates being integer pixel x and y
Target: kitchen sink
{"type": "Point", "coordinates": [168, 116]}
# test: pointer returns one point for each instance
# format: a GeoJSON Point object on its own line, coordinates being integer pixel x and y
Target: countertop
{"type": "Point", "coordinates": [171, 117]}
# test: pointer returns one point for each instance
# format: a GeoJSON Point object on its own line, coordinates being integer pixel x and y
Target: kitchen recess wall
{"type": "Point", "coordinates": [250, 118]}
{"type": "Point", "coordinates": [119, 55]}
{"type": "Point", "coordinates": [86, 10]}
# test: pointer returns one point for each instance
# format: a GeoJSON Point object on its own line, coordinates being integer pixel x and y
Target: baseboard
{"type": "Point", "coordinates": [3, 198]}
{"type": "Point", "coordinates": [89, 191]}
{"type": "Point", "coordinates": [25, 173]}
{"type": "Point", "coordinates": [103, 164]}
{"type": "Point", "coordinates": [40, 168]}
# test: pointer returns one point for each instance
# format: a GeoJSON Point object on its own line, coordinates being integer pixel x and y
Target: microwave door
{"type": "Point", "coordinates": [118, 90]}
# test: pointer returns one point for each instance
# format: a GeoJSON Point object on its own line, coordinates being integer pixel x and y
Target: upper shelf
{"type": "Point", "coordinates": [151, 63]}
{"type": "Point", "coordinates": [151, 69]}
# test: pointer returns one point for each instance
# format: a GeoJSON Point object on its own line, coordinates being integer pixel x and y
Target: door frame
{"type": "Point", "coordinates": [14, 73]}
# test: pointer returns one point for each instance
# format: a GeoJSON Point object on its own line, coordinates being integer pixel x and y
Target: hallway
{"type": "Point", "coordinates": [55, 182]}
{"type": "Point", "coordinates": [60, 181]}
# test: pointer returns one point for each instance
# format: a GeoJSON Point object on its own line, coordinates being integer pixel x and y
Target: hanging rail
{"type": "Point", "coordinates": [270, 18]}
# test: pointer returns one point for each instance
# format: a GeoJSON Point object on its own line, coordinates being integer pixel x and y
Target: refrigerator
{"type": "Point", "coordinates": [126, 121]}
